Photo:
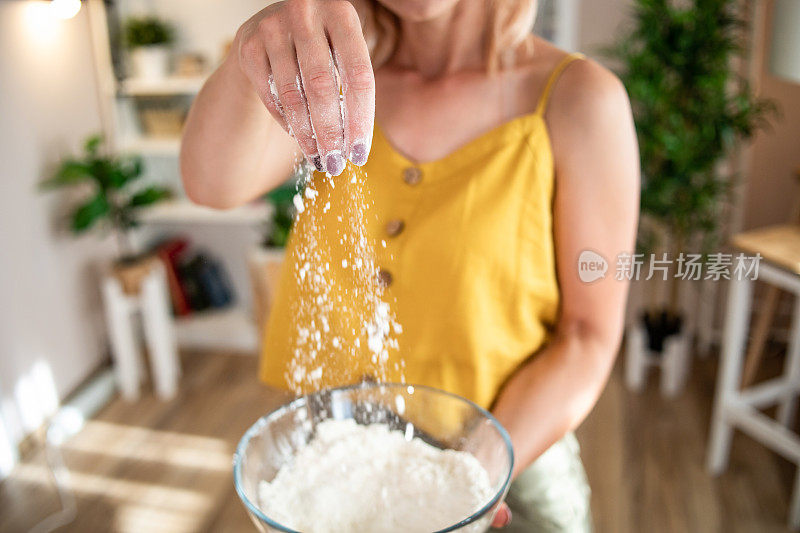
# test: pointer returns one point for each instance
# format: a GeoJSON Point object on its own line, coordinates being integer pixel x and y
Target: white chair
{"type": "Point", "coordinates": [151, 302]}
{"type": "Point", "coordinates": [735, 408]}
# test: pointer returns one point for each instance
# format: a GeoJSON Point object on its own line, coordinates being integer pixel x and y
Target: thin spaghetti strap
{"type": "Point", "coordinates": [551, 81]}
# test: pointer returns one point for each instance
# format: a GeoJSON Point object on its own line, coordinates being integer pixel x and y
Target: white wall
{"type": "Point", "coordinates": [772, 190]}
{"type": "Point", "coordinates": [50, 322]}
{"type": "Point", "coordinates": [600, 22]}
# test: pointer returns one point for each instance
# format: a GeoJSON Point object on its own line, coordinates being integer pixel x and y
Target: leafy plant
{"type": "Point", "coordinates": [279, 226]}
{"type": "Point", "coordinates": [147, 31]}
{"type": "Point", "coordinates": [691, 107]}
{"type": "Point", "coordinates": [111, 197]}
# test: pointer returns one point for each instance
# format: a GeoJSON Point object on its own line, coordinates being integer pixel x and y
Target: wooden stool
{"type": "Point", "coordinates": [761, 328]}
{"type": "Point", "coordinates": [733, 408]}
{"type": "Point", "coordinates": [149, 299]}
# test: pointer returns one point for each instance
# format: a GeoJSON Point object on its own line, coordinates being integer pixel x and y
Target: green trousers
{"type": "Point", "coordinates": [552, 495]}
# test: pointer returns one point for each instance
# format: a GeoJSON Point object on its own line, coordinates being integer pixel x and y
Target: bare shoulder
{"type": "Point", "coordinates": [587, 95]}
{"type": "Point", "coordinates": [592, 133]}
{"type": "Point", "coordinates": [589, 114]}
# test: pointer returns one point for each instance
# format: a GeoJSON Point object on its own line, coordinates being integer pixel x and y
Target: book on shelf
{"type": "Point", "coordinates": [212, 283]}
{"type": "Point", "coordinates": [197, 280]}
{"type": "Point", "coordinates": [170, 253]}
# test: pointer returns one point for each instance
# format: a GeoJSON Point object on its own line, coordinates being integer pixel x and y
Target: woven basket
{"type": "Point", "coordinates": [162, 121]}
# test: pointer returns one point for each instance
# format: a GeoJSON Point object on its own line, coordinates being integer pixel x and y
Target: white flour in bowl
{"type": "Point", "coordinates": [353, 478]}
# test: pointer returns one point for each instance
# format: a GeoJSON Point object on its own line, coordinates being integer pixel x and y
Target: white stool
{"type": "Point", "coordinates": [780, 248]}
{"type": "Point", "coordinates": [152, 304]}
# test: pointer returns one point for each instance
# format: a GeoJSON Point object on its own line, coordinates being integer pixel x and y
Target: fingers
{"type": "Point", "coordinates": [254, 63]}
{"type": "Point", "coordinates": [358, 83]}
{"type": "Point", "coordinates": [322, 93]}
{"type": "Point", "coordinates": [502, 517]}
{"type": "Point", "coordinates": [291, 97]}
{"type": "Point", "coordinates": [287, 52]}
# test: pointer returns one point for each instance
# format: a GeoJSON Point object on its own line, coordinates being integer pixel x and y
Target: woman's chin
{"type": "Point", "coordinates": [418, 10]}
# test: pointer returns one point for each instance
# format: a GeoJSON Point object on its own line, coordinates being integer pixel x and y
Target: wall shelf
{"type": "Point", "coordinates": [152, 146]}
{"type": "Point", "coordinates": [173, 85]}
{"type": "Point", "coordinates": [184, 211]}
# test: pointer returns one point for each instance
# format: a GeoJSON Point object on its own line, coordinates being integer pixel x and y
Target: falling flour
{"type": "Point", "coordinates": [353, 478]}
{"type": "Point", "coordinates": [354, 303]}
{"type": "Point", "coordinates": [362, 316]}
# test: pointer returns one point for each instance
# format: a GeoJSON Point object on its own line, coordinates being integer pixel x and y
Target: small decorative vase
{"type": "Point", "coordinates": [150, 62]}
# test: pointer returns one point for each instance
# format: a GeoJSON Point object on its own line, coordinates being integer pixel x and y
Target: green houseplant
{"type": "Point", "coordinates": [278, 226]}
{"type": "Point", "coordinates": [148, 40]}
{"type": "Point", "coordinates": [147, 31]}
{"type": "Point", "coordinates": [691, 107]}
{"type": "Point", "coordinates": [112, 200]}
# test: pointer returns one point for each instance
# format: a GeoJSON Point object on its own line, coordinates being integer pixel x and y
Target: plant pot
{"type": "Point", "coordinates": [660, 326]}
{"type": "Point", "coordinates": [150, 62]}
{"type": "Point", "coordinates": [658, 340]}
{"type": "Point", "coordinates": [131, 271]}
{"type": "Point", "coordinates": [265, 266]}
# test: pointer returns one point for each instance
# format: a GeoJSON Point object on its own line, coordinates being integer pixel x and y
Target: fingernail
{"type": "Point", "coordinates": [503, 518]}
{"type": "Point", "coordinates": [334, 163]}
{"type": "Point", "coordinates": [317, 162]}
{"type": "Point", "coordinates": [359, 153]}
{"type": "Point", "coordinates": [508, 516]}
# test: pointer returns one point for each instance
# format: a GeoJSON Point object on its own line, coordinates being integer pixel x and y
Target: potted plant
{"type": "Point", "coordinates": [266, 259]}
{"type": "Point", "coordinates": [691, 107]}
{"type": "Point", "coordinates": [110, 199]}
{"type": "Point", "coordinates": [148, 39]}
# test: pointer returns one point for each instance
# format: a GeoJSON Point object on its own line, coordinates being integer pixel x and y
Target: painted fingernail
{"type": "Point", "coordinates": [334, 163]}
{"type": "Point", "coordinates": [359, 153]}
{"type": "Point", "coordinates": [502, 519]}
{"type": "Point", "coordinates": [317, 162]}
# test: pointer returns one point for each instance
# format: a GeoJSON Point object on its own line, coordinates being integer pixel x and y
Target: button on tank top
{"type": "Point", "coordinates": [464, 248]}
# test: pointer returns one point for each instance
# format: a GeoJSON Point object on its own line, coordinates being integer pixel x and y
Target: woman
{"type": "Point", "coordinates": [496, 159]}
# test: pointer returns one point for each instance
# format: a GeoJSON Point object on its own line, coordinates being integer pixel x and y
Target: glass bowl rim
{"type": "Point", "coordinates": [303, 400]}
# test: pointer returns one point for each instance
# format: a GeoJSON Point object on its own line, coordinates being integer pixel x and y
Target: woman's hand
{"type": "Point", "coordinates": [296, 53]}
{"type": "Point", "coordinates": [502, 517]}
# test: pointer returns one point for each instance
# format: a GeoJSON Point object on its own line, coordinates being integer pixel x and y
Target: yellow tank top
{"type": "Point", "coordinates": [465, 246]}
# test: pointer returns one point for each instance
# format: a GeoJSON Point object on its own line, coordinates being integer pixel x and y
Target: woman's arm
{"type": "Point", "coordinates": [283, 73]}
{"type": "Point", "coordinates": [232, 149]}
{"type": "Point", "coordinates": [595, 208]}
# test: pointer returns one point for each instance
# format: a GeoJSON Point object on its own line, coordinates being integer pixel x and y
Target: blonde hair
{"type": "Point", "coordinates": [511, 22]}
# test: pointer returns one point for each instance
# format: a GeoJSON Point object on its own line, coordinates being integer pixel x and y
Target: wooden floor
{"type": "Point", "coordinates": [645, 457]}
{"type": "Point", "coordinates": [166, 466]}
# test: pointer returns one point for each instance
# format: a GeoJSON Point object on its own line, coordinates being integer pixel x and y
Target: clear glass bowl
{"type": "Point", "coordinates": [440, 418]}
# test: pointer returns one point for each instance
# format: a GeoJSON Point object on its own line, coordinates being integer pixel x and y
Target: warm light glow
{"type": "Point", "coordinates": [8, 453]}
{"type": "Point", "coordinates": [142, 444]}
{"type": "Point", "coordinates": [121, 491]}
{"type": "Point", "coordinates": [35, 396]}
{"type": "Point", "coordinates": [132, 517]}
{"type": "Point", "coordinates": [41, 23]}
{"type": "Point", "coordinates": [67, 422]}
{"type": "Point", "coordinates": [65, 9]}
{"type": "Point", "coordinates": [142, 496]}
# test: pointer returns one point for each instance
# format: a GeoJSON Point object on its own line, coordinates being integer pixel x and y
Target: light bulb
{"type": "Point", "coordinates": [65, 9]}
